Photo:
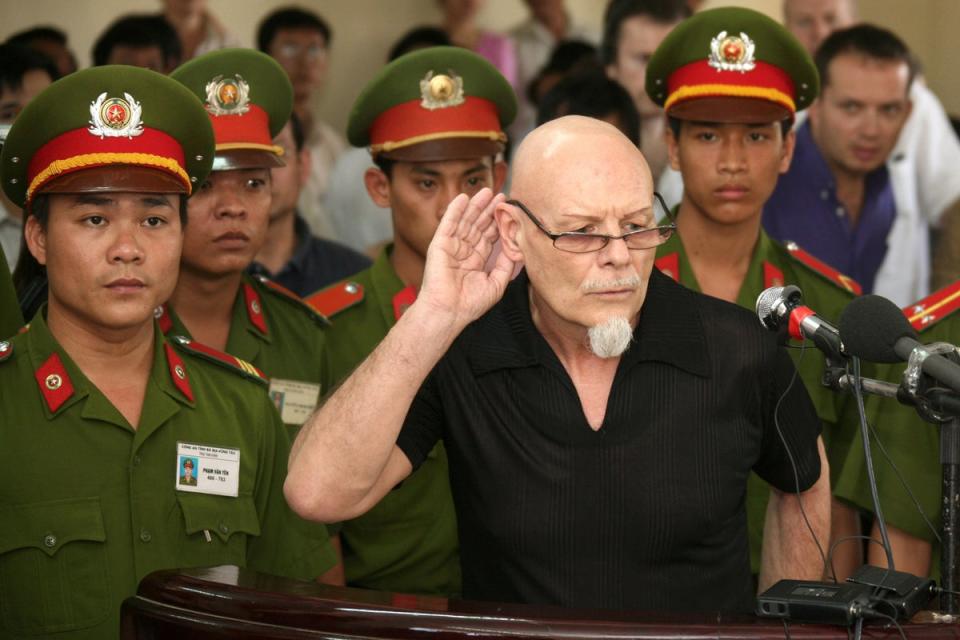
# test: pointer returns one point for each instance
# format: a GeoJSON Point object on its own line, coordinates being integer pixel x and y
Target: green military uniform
{"type": "Point", "coordinates": [89, 505]}
{"type": "Point", "coordinates": [279, 334]}
{"type": "Point", "coordinates": [773, 264]}
{"type": "Point", "coordinates": [10, 318]}
{"type": "Point", "coordinates": [408, 542]}
{"type": "Point", "coordinates": [435, 105]}
{"type": "Point", "coordinates": [913, 445]}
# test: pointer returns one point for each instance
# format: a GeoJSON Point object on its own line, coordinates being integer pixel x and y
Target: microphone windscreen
{"type": "Point", "coordinates": [870, 327]}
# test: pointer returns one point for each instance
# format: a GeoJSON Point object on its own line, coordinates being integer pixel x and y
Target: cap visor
{"type": "Point", "coordinates": [230, 159]}
{"type": "Point", "coordinates": [445, 149]}
{"type": "Point", "coordinates": [730, 109]}
{"type": "Point", "coordinates": [116, 177]}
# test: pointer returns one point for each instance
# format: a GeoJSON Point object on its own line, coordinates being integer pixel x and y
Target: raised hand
{"type": "Point", "coordinates": [455, 282]}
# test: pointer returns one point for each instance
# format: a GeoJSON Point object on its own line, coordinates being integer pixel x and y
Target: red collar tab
{"type": "Point", "coordinates": [254, 308]}
{"type": "Point", "coordinates": [772, 276]}
{"type": "Point", "coordinates": [403, 300]}
{"type": "Point", "coordinates": [670, 266]}
{"type": "Point", "coordinates": [55, 385]}
{"type": "Point", "coordinates": [164, 321]}
{"type": "Point", "coordinates": [825, 270]}
{"type": "Point", "coordinates": [935, 307]}
{"type": "Point", "coordinates": [6, 349]}
{"type": "Point", "coordinates": [178, 372]}
{"type": "Point", "coordinates": [337, 298]}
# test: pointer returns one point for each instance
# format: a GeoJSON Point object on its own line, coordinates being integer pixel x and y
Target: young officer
{"type": "Point", "coordinates": [731, 81]}
{"type": "Point", "coordinates": [98, 409]}
{"type": "Point", "coordinates": [248, 99]}
{"type": "Point", "coordinates": [434, 121]}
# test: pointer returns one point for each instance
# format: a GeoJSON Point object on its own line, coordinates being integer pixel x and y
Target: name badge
{"type": "Point", "coordinates": [206, 469]}
{"type": "Point", "coordinates": [295, 400]}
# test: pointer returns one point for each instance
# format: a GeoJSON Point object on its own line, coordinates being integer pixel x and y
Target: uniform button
{"type": "Point", "coordinates": [840, 212]}
{"type": "Point", "coordinates": [224, 529]}
{"type": "Point", "coordinates": [145, 536]}
{"type": "Point", "coordinates": [136, 461]}
{"type": "Point", "coordinates": [50, 541]}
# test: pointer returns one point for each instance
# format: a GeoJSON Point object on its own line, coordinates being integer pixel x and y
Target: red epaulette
{"type": "Point", "coordinates": [6, 350]}
{"type": "Point", "coordinates": [164, 321]}
{"type": "Point", "coordinates": [934, 308]}
{"type": "Point", "coordinates": [669, 265]}
{"type": "Point", "coordinates": [212, 355]}
{"type": "Point", "coordinates": [337, 298]}
{"type": "Point", "coordinates": [285, 294]}
{"type": "Point", "coordinates": [823, 269]}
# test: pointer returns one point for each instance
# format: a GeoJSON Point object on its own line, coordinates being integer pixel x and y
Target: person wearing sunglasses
{"type": "Point", "coordinates": [600, 420]}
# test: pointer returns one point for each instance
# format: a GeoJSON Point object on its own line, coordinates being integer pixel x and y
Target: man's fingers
{"type": "Point", "coordinates": [450, 222]}
{"type": "Point", "coordinates": [477, 205]}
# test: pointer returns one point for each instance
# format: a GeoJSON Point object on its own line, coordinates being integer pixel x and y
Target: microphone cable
{"type": "Point", "coordinates": [793, 462]}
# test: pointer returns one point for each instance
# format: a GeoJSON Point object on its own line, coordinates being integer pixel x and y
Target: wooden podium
{"type": "Point", "coordinates": [228, 602]}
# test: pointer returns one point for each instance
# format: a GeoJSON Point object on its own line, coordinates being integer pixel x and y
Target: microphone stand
{"type": "Point", "coordinates": [937, 405]}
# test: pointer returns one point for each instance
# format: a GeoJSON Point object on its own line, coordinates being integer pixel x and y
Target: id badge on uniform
{"type": "Point", "coordinates": [208, 469]}
{"type": "Point", "coordinates": [294, 399]}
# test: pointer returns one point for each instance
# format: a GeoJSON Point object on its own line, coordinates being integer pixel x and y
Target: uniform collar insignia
{"type": "Point", "coordinates": [254, 308]}
{"type": "Point", "coordinates": [55, 385]}
{"type": "Point", "coordinates": [441, 90]}
{"type": "Point", "coordinates": [178, 373]}
{"type": "Point", "coordinates": [732, 53]}
{"type": "Point", "coordinates": [115, 117]}
{"type": "Point", "coordinates": [228, 96]}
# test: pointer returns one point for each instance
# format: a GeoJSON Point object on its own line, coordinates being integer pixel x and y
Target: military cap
{"type": "Point", "coordinates": [111, 128]}
{"type": "Point", "coordinates": [249, 100]}
{"type": "Point", "coordinates": [188, 463]}
{"type": "Point", "coordinates": [439, 103]}
{"type": "Point", "coordinates": [731, 65]}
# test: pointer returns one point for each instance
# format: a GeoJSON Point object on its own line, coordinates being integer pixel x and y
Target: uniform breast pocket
{"type": "Point", "coordinates": [53, 567]}
{"type": "Point", "coordinates": [217, 528]}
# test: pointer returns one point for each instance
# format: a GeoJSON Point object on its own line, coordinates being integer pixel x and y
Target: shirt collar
{"type": "Point", "coordinates": [669, 330]}
{"type": "Point", "coordinates": [808, 159]}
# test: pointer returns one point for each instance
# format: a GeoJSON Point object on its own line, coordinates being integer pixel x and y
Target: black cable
{"type": "Point", "coordinates": [903, 482]}
{"type": "Point", "coordinates": [858, 628]}
{"type": "Point", "coordinates": [793, 463]}
{"type": "Point", "coordinates": [880, 614]}
{"type": "Point", "coordinates": [838, 541]}
{"type": "Point", "coordinates": [786, 629]}
{"type": "Point", "coordinates": [871, 475]}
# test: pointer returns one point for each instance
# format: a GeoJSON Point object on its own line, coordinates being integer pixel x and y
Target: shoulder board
{"type": "Point", "coordinates": [337, 298]}
{"type": "Point", "coordinates": [285, 294]}
{"type": "Point", "coordinates": [823, 269]}
{"type": "Point", "coordinates": [934, 308]}
{"type": "Point", "coordinates": [6, 350]}
{"type": "Point", "coordinates": [226, 360]}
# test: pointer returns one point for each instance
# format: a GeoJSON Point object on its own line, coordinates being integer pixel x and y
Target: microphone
{"type": "Point", "coordinates": [875, 329]}
{"type": "Point", "coordinates": [777, 306]}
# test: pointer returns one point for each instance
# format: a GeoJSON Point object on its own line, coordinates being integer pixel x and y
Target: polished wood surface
{"type": "Point", "coordinates": [227, 602]}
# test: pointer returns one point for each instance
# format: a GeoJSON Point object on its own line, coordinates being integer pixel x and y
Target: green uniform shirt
{"type": "Point", "coordinates": [89, 506]}
{"type": "Point", "coordinates": [773, 265]}
{"type": "Point", "coordinates": [280, 335]}
{"type": "Point", "coordinates": [408, 542]}
{"type": "Point", "coordinates": [912, 444]}
{"type": "Point", "coordinates": [10, 318]}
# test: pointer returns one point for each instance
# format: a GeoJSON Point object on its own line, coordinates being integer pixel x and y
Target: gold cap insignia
{"type": "Point", "coordinates": [228, 96]}
{"type": "Point", "coordinates": [115, 117]}
{"type": "Point", "coordinates": [441, 91]}
{"type": "Point", "coordinates": [732, 53]}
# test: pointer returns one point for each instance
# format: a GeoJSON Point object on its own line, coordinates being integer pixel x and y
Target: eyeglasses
{"type": "Point", "coordinates": [579, 242]}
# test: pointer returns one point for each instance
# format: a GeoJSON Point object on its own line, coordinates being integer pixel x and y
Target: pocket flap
{"type": "Point", "coordinates": [222, 515]}
{"type": "Point", "coordinates": [50, 525]}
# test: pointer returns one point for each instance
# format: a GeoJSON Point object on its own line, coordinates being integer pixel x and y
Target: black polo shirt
{"type": "Point", "coordinates": [646, 513]}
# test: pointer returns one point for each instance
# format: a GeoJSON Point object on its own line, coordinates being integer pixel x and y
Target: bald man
{"type": "Point", "coordinates": [600, 420]}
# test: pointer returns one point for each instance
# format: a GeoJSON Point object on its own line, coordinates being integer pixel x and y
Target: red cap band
{"type": "Point", "coordinates": [79, 149]}
{"type": "Point", "coordinates": [404, 124]}
{"type": "Point", "coordinates": [250, 130]}
{"type": "Point", "coordinates": [700, 80]}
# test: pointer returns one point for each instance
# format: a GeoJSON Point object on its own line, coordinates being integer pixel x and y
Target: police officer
{"type": "Point", "coordinates": [434, 122]}
{"type": "Point", "coordinates": [910, 454]}
{"type": "Point", "coordinates": [97, 408]}
{"type": "Point", "coordinates": [248, 99]}
{"type": "Point", "coordinates": [731, 81]}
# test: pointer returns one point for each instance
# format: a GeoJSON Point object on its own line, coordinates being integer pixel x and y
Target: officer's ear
{"type": "Point", "coordinates": [673, 147]}
{"type": "Point", "coordinates": [378, 186]}
{"type": "Point", "coordinates": [789, 144]}
{"type": "Point", "coordinates": [36, 238]}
